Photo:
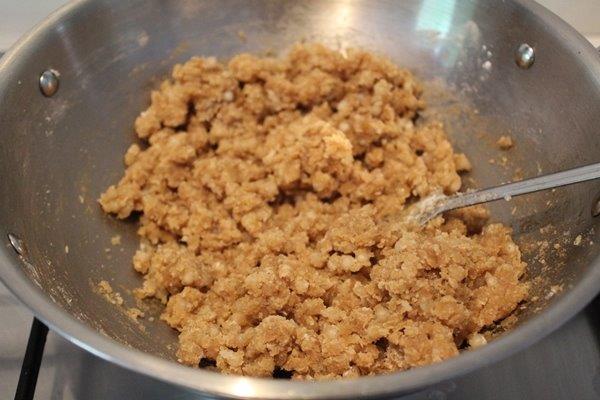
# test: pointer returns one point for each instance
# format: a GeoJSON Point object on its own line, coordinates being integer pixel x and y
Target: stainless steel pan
{"type": "Point", "coordinates": [58, 153]}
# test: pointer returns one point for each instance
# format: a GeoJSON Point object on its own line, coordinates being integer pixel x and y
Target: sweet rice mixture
{"type": "Point", "coordinates": [269, 192]}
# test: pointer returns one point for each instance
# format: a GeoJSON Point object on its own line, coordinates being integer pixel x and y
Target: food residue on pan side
{"type": "Point", "coordinates": [505, 142]}
{"type": "Point", "coordinates": [106, 290]}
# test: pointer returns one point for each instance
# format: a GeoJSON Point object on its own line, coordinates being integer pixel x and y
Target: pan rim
{"type": "Point", "coordinates": [12, 275]}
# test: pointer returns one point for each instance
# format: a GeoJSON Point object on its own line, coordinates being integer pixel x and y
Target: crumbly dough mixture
{"type": "Point", "coordinates": [505, 142]}
{"type": "Point", "coordinates": [269, 191]}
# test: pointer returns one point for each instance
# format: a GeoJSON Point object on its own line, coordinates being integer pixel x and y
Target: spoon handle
{"type": "Point", "coordinates": [506, 191]}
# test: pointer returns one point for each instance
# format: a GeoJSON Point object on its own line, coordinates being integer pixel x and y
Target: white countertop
{"type": "Point", "coordinates": [18, 16]}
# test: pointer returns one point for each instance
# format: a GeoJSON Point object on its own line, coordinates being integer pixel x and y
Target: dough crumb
{"type": "Point", "coordinates": [577, 240]}
{"type": "Point", "coordinates": [476, 340]}
{"type": "Point", "coordinates": [115, 240]}
{"type": "Point", "coordinates": [462, 163]}
{"type": "Point", "coordinates": [105, 289]}
{"type": "Point", "coordinates": [135, 313]}
{"type": "Point", "coordinates": [505, 142]}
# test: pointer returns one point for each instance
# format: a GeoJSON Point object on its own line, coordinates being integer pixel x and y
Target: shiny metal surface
{"type": "Point", "coordinates": [16, 243]}
{"type": "Point", "coordinates": [63, 151]}
{"type": "Point", "coordinates": [525, 56]}
{"type": "Point", "coordinates": [49, 83]}
{"type": "Point", "coordinates": [439, 204]}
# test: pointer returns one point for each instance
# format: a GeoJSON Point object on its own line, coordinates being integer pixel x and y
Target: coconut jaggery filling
{"type": "Point", "coordinates": [267, 191]}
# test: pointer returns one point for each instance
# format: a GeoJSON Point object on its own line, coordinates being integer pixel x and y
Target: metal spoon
{"type": "Point", "coordinates": [431, 206]}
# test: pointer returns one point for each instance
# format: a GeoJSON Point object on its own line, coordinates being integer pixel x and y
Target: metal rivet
{"type": "Point", "coordinates": [596, 208]}
{"type": "Point", "coordinates": [17, 244]}
{"type": "Point", "coordinates": [525, 56]}
{"type": "Point", "coordinates": [49, 82]}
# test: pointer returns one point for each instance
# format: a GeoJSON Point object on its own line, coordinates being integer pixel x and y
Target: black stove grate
{"type": "Point", "coordinates": [32, 361]}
